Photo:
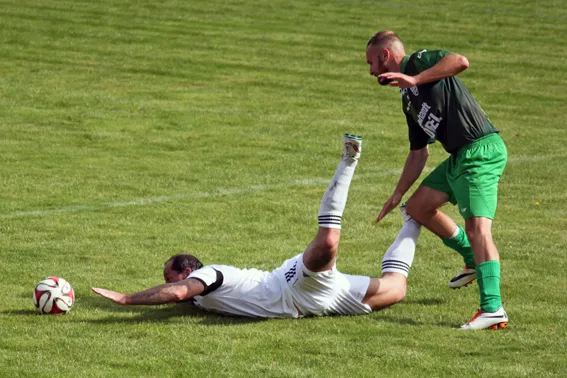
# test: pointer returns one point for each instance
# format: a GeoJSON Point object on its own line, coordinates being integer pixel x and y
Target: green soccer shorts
{"type": "Point", "coordinates": [470, 178]}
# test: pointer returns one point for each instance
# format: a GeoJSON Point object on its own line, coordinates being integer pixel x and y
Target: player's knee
{"type": "Point", "coordinates": [414, 209]}
{"type": "Point", "coordinates": [328, 241]}
{"type": "Point", "coordinates": [399, 293]}
{"type": "Point", "coordinates": [478, 230]}
{"type": "Point", "coordinates": [396, 288]}
{"type": "Point", "coordinates": [387, 291]}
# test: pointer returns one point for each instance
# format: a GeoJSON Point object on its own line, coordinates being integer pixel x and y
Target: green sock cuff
{"type": "Point", "coordinates": [490, 268]}
{"type": "Point", "coordinates": [460, 243]}
{"type": "Point", "coordinates": [462, 236]}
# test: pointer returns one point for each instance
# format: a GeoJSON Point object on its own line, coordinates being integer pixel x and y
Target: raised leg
{"type": "Point", "coordinates": [321, 253]}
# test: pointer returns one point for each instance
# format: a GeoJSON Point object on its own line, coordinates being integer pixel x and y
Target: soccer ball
{"type": "Point", "coordinates": [53, 295]}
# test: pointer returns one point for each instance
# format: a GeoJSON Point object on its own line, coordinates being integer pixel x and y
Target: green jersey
{"type": "Point", "coordinates": [442, 110]}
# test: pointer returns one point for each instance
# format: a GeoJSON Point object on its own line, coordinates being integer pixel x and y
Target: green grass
{"type": "Point", "coordinates": [133, 130]}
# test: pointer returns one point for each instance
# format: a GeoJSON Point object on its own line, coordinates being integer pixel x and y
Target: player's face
{"type": "Point", "coordinates": [376, 59]}
{"type": "Point", "coordinates": [170, 275]}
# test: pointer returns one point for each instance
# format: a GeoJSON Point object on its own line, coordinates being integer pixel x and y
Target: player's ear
{"type": "Point", "coordinates": [384, 54]}
{"type": "Point", "coordinates": [187, 272]}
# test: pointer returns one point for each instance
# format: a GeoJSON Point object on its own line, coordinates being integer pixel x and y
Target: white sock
{"type": "Point", "coordinates": [335, 197]}
{"type": "Point", "coordinates": [399, 257]}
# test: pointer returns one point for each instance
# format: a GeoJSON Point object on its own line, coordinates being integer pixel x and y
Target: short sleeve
{"type": "Point", "coordinates": [425, 59]}
{"type": "Point", "coordinates": [211, 278]}
{"type": "Point", "coordinates": [417, 137]}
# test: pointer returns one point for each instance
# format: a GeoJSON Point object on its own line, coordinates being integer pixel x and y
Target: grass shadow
{"type": "Point", "coordinates": [424, 301]}
{"type": "Point", "coordinates": [157, 314]}
{"type": "Point", "coordinates": [414, 322]}
{"type": "Point", "coordinates": [93, 301]}
{"type": "Point", "coordinates": [19, 312]}
{"type": "Point", "coordinates": [391, 317]}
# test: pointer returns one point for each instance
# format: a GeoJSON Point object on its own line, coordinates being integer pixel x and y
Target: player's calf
{"type": "Point", "coordinates": [335, 197]}
{"type": "Point", "coordinates": [391, 288]}
{"type": "Point", "coordinates": [399, 256]}
{"type": "Point", "coordinates": [321, 253]}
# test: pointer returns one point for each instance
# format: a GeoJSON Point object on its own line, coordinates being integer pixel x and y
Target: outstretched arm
{"type": "Point", "coordinates": [161, 294]}
{"type": "Point", "coordinates": [450, 65]}
{"type": "Point", "coordinates": [413, 167]}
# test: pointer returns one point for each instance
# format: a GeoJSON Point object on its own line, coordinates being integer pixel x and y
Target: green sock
{"type": "Point", "coordinates": [460, 243]}
{"type": "Point", "coordinates": [488, 278]}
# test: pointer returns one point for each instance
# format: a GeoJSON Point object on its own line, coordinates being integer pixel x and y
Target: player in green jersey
{"type": "Point", "coordinates": [438, 106]}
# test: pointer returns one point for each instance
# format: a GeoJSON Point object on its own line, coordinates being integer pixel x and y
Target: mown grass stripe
{"type": "Point", "coordinates": [228, 191]}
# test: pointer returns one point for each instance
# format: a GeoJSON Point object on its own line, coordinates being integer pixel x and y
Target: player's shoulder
{"type": "Point", "coordinates": [423, 59]}
{"type": "Point", "coordinates": [430, 53]}
{"type": "Point", "coordinates": [215, 270]}
{"type": "Point", "coordinates": [210, 270]}
{"type": "Point", "coordinates": [211, 276]}
{"type": "Point", "coordinates": [419, 53]}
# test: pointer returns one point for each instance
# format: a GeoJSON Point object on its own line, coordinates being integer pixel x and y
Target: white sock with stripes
{"type": "Point", "coordinates": [399, 257]}
{"type": "Point", "coordinates": [335, 197]}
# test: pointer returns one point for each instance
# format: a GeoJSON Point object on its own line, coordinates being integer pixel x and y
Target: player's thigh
{"type": "Point", "coordinates": [321, 253]}
{"type": "Point", "coordinates": [434, 192]}
{"type": "Point", "coordinates": [475, 178]}
{"type": "Point", "coordinates": [425, 199]}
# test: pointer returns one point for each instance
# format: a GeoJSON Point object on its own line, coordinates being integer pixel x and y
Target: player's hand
{"type": "Point", "coordinates": [398, 79]}
{"type": "Point", "coordinates": [112, 295]}
{"type": "Point", "coordinates": [389, 205]}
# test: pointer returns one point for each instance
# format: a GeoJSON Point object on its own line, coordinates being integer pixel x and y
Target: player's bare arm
{"type": "Point", "coordinates": [450, 65]}
{"type": "Point", "coordinates": [161, 294]}
{"type": "Point", "coordinates": [415, 162]}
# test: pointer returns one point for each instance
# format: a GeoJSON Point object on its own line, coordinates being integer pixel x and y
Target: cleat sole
{"type": "Point", "coordinates": [498, 326]}
{"type": "Point", "coordinates": [465, 285]}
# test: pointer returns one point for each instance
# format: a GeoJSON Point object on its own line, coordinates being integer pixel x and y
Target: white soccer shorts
{"type": "Point", "coordinates": [326, 293]}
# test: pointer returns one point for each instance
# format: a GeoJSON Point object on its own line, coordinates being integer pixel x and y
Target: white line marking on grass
{"type": "Point", "coordinates": [228, 191]}
{"type": "Point", "coordinates": [216, 193]}
{"type": "Point", "coordinates": [520, 159]}
{"type": "Point", "coordinates": [476, 10]}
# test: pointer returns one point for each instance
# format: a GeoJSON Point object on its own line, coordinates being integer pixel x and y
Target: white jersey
{"type": "Point", "coordinates": [289, 291]}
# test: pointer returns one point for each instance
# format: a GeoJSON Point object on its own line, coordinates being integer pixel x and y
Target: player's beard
{"type": "Point", "coordinates": [382, 69]}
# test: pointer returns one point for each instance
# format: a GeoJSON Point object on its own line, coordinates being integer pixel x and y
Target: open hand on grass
{"type": "Point", "coordinates": [112, 295]}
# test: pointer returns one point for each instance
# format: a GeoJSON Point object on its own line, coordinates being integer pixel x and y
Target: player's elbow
{"type": "Point", "coordinates": [463, 63]}
{"type": "Point", "coordinates": [181, 294]}
{"type": "Point", "coordinates": [420, 155]}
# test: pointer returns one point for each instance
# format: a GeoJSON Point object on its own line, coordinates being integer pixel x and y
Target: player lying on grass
{"type": "Point", "coordinates": [308, 284]}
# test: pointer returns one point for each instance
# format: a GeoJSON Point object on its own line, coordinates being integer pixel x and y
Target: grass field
{"type": "Point", "coordinates": [133, 130]}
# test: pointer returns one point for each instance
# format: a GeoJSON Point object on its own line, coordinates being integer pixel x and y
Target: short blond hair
{"type": "Point", "coordinates": [385, 38]}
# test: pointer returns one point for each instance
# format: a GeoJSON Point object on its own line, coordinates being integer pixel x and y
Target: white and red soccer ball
{"type": "Point", "coordinates": [53, 295]}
